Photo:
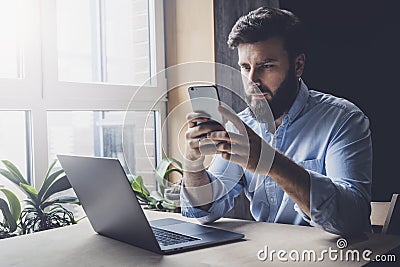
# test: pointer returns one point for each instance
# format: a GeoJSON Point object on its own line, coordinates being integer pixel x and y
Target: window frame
{"type": "Point", "coordinates": [39, 91]}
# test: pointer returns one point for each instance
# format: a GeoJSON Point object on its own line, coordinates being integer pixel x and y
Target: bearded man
{"type": "Point", "coordinates": [314, 169]}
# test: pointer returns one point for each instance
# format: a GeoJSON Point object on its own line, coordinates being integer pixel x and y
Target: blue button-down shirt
{"type": "Point", "coordinates": [330, 138]}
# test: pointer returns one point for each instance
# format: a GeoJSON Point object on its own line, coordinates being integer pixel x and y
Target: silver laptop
{"type": "Point", "coordinates": [114, 211]}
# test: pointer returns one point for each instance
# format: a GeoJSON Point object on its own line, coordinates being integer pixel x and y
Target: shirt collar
{"type": "Point", "coordinates": [298, 104]}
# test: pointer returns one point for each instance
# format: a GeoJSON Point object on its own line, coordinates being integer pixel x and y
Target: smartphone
{"type": "Point", "coordinates": [205, 99]}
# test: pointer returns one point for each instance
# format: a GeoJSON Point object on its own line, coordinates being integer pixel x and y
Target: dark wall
{"type": "Point", "coordinates": [354, 53]}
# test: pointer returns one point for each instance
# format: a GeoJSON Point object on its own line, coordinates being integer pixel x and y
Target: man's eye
{"type": "Point", "coordinates": [246, 68]}
{"type": "Point", "coordinates": [268, 66]}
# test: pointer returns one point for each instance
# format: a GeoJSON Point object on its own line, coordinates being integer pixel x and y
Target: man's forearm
{"type": "Point", "coordinates": [198, 188]}
{"type": "Point", "coordinates": [293, 179]}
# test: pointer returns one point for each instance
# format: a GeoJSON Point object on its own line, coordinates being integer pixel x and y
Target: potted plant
{"type": "Point", "coordinates": [11, 211]}
{"type": "Point", "coordinates": [166, 188]}
{"type": "Point", "coordinates": [43, 209]}
{"type": "Point", "coordinates": [166, 197]}
{"type": "Point", "coordinates": [152, 199]}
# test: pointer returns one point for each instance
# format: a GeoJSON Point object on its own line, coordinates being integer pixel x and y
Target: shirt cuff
{"type": "Point", "coordinates": [322, 192]}
{"type": "Point", "coordinates": [302, 214]}
{"type": "Point", "coordinates": [214, 212]}
{"type": "Point", "coordinates": [321, 209]}
{"type": "Point", "coordinates": [187, 209]}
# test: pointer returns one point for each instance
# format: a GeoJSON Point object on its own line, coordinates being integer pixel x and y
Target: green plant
{"type": "Point", "coordinates": [165, 188]}
{"type": "Point", "coordinates": [11, 210]}
{"type": "Point", "coordinates": [153, 199]}
{"type": "Point", "coordinates": [167, 195]}
{"type": "Point", "coordinates": [43, 210]}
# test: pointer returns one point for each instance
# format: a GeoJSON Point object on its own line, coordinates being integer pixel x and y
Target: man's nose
{"type": "Point", "coordinates": [254, 78]}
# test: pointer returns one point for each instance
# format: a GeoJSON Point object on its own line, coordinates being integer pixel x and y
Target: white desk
{"type": "Point", "coordinates": [79, 245]}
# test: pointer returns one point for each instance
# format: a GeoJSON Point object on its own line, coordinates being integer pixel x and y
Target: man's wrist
{"type": "Point", "coordinates": [193, 166]}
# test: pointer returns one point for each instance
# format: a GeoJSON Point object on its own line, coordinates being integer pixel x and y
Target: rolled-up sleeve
{"type": "Point", "coordinates": [224, 178]}
{"type": "Point", "coordinates": [340, 200]}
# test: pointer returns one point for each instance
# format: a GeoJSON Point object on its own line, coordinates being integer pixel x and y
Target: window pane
{"type": "Point", "coordinates": [14, 145]}
{"type": "Point", "coordinates": [10, 32]}
{"type": "Point", "coordinates": [100, 133]}
{"type": "Point", "coordinates": [103, 41]}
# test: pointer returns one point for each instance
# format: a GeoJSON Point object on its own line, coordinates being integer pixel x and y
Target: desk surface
{"type": "Point", "coordinates": [79, 245]}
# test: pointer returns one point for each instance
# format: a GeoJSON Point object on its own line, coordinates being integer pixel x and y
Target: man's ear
{"type": "Point", "coordinates": [299, 64]}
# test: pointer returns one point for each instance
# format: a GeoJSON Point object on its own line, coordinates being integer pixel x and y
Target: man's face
{"type": "Point", "coordinates": [265, 65]}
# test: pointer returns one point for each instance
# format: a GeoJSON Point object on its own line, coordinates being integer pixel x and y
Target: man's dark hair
{"type": "Point", "coordinates": [264, 23]}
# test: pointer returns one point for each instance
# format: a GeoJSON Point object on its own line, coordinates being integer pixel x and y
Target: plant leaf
{"type": "Point", "coordinates": [175, 161]}
{"type": "Point", "coordinates": [61, 200]}
{"type": "Point", "coordinates": [29, 202]}
{"type": "Point", "coordinates": [168, 183]}
{"type": "Point", "coordinates": [10, 176]}
{"type": "Point", "coordinates": [168, 205]}
{"type": "Point", "coordinates": [50, 168]}
{"type": "Point", "coordinates": [161, 169]}
{"type": "Point", "coordinates": [13, 201]}
{"type": "Point", "coordinates": [151, 201]}
{"type": "Point", "coordinates": [9, 219]}
{"type": "Point", "coordinates": [156, 195]}
{"type": "Point", "coordinates": [30, 191]}
{"type": "Point", "coordinates": [46, 183]}
{"type": "Point", "coordinates": [14, 170]}
{"type": "Point", "coordinates": [145, 191]}
{"type": "Point", "coordinates": [131, 178]}
{"type": "Point", "coordinates": [173, 170]}
{"type": "Point", "coordinates": [161, 173]}
{"type": "Point", "coordinates": [138, 186]}
{"type": "Point", "coordinates": [142, 197]}
{"type": "Point", "coordinates": [59, 185]}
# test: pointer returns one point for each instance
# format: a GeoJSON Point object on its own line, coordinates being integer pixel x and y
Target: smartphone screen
{"type": "Point", "coordinates": [205, 100]}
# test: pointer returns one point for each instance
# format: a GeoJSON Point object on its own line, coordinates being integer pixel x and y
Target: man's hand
{"type": "Point", "coordinates": [197, 145]}
{"type": "Point", "coordinates": [245, 148]}
{"type": "Point", "coordinates": [251, 152]}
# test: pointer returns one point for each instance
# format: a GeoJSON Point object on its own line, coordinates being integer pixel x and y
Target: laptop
{"type": "Point", "coordinates": [114, 211]}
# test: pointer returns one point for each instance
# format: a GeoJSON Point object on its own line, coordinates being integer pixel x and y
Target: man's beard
{"type": "Point", "coordinates": [280, 102]}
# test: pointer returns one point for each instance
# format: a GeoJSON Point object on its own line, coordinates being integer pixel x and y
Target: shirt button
{"type": "Point", "coordinates": [272, 199]}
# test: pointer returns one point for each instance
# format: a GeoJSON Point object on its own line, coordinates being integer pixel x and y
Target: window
{"type": "Point", "coordinates": [10, 52]}
{"type": "Point", "coordinates": [14, 143]}
{"type": "Point", "coordinates": [107, 134]}
{"type": "Point", "coordinates": [68, 73]}
{"type": "Point", "coordinates": [14, 138]}
{"type": "Point", "coordinates": [104, 41]}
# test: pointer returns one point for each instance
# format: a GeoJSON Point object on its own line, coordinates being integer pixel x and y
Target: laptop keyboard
{"type": "Point", "coordinates": [167, 238]}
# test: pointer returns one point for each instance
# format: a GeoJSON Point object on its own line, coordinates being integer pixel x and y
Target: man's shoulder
{"type": "Point", "coordinates": [331, 103]}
